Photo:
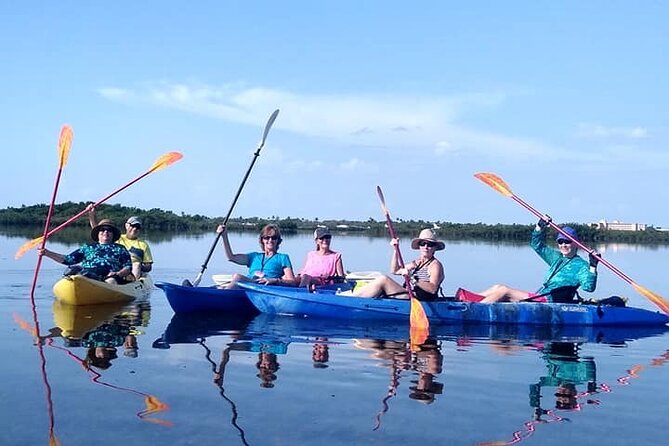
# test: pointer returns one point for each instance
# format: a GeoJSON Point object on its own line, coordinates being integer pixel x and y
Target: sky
{"type": "Point", "coordinates": [568, 102]}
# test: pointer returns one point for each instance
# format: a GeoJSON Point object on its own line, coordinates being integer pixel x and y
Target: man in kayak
{"type": "Point", "coordinates": [567, 270]}
{"type": "Point", "coordinates": [140, 252]}
{"type": "Point", "coordinates": [104, 259]}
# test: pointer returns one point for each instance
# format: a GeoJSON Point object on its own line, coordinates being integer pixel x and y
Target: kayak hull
{"type": "Point", "coordinates": [328, 304]}
{"type": "Point", "coordinates": [80, 290]}
{"type": "Point", "coordinates": [185, 299]}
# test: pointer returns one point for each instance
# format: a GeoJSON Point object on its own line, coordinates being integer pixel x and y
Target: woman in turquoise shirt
{"type": "Point", "coordinates": [267, 267]}
{"type": "Point", "coordinates": [566, 269]}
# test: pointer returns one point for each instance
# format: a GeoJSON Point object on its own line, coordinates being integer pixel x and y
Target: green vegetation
{"type": "Point", "coordinates": [169, 224]}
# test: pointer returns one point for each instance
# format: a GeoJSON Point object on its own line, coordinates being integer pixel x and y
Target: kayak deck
{"type": "Point", "coordinates": [283, 300]}
{"type": "Point", "coordinates": [80, 290]}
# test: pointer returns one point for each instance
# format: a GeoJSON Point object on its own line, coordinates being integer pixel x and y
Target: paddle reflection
{"type": "Point", "coordinates": [101, 330]}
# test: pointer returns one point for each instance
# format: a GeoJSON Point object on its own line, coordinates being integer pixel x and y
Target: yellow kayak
{"type": "Point", "coordinates": [77, 320]}
{"type": "Point", "coordinates": [80, 290]}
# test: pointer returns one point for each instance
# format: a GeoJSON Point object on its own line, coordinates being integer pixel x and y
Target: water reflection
{"type": "Point", "coordinates": [568, 386]}
{"type": "Point", "coordinates": [101, 330]}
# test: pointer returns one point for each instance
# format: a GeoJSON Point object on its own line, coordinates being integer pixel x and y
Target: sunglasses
{"type": "Point", "coordinates": [270, 237]}
{"type": "Point", "coordinates": [106, 230]}
{"type": "Point", "coordinates": [325, 237]}
{"type": "Point", "coordinates": [564, 242]}
{"type": "Point", "coordinates": [136, 226]}
{"type": "Point", "coordinates": [428, 244]}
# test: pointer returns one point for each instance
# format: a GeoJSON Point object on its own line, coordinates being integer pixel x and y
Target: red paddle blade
{"type": "Point", "coordinates": [653, 297]}
{"type": "Point", "coordinates": [495, 182]}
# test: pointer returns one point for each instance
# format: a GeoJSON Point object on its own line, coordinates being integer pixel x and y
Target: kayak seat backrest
{"type": "Point", "coordinates": [565, 295]}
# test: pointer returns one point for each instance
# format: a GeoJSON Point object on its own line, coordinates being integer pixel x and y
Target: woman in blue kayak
{"type": "Point", "coordinates": [267, 267]}
{"type": "Point", "coordinates": [426, 272]}
{"type": "Point", "coordinates": [567, 271]}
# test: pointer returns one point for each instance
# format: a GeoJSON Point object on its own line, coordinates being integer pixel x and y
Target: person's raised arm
{"type": "Point", "coordinates": [92, 220]}
{"type": "Point", "coordinates": [239, 259]}
{"type": "Point", "coordinates": [394, 260]}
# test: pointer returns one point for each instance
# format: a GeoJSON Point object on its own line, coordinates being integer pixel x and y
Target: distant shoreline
{"type": "Point", "coordinates": [30, 219]}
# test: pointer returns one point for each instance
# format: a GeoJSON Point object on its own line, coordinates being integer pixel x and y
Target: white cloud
{"type": "Point", "coordinates": [400, 122]}
{"type": "Point", "coordinates": [586, 130]}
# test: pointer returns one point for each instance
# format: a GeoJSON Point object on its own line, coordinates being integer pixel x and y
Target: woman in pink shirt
{"type": "Point", "coordinates": [323, 264]}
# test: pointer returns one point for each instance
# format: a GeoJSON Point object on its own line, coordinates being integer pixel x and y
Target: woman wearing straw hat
{"type": "Point", "coordinates": [426, 271]}
{"type": "Point", "coordinates": [103, 260]}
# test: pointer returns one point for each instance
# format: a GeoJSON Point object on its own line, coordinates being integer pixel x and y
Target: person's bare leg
{"type": "Point", "coordinates": [380, 286]}
{"type": "Point", "coordinates": [235, 279]}
{"type": "Point", "coordinates": [501, 292]}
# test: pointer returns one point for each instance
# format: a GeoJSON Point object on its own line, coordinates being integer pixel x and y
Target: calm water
{"type": "Point", "coordinates": [281, 381]}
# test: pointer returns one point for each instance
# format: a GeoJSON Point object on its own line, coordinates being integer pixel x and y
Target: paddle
{"type": "Point", "coordinates": [500, 186]}
{"type": "Point", "coordinates": [418, 321]}
{"type": "Point", "coordinates": [268, 126]}
{"type": "Point", "coordinates": [64, 145]}
{"type": "Point", "coordinates": [161, 163]}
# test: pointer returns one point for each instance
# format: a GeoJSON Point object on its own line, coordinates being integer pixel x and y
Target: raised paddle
{"type": "Point", "coordinates": [161, 163]}
{"type": "Point", "coordinates": [268, 126]}
{"type": "Point", "coordinates": [500, 186]}
{"type": "Point", "coordinates": [418, 321]}
{"type": "Point", "coordinates": [64, 145]}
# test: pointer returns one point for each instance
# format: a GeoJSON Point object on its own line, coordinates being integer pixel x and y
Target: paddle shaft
{"type": "Point", "coordinates": [270, 121]}
{"type": "Point", "coordinates": [393, 235]}
{"type": "Point", "coordinates": [97, 203]}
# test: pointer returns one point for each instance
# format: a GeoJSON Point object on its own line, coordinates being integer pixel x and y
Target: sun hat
{"type": "Point", "coordinates": [427, 235]}
{"type": "Point", "coordinates": [105, 223]}
{"type": "Point", "coordinates": [321, 231]}
{"type": "Point", "coordinates": [570, 231]}
{"type": "Point", "coordinates": [134, 221]}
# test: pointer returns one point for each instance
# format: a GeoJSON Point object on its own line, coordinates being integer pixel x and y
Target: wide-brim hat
{"type": "Point", "coordinates": [427, 235]}
{"type": "Point", "coordinates": [106, 223]}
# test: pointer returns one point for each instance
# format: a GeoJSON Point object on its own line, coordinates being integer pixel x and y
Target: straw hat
{"type": "Point", "coordinates": [105, 223]}
{"type": "Point", "coordinates": [427, 235]}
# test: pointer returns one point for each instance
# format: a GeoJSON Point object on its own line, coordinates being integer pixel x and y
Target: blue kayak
{"type": "Point", "coordinates": [330, 304]}
{"type": "Point", "coordinates": [184, 299]}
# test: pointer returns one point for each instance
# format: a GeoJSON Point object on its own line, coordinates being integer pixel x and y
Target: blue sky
{"type": "Point", "coordinates": [566, 101]}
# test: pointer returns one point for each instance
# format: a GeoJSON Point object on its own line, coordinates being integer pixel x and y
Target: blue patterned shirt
{"type": "Point", "coordinates": [100, 258]}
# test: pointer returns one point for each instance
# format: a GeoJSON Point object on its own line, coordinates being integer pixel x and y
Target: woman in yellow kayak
{"type": "Point", "coordinates": [104, 259]}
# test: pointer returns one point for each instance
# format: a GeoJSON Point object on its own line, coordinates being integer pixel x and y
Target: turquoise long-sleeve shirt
{"type": "Point", "coordinates": [563, 271]}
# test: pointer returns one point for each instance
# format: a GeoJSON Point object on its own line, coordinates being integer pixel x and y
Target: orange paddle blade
{"type": "Point", "coordinates": [653, 297]}
{"type": "Point", "coordinates": [53, 441]}
{"type": "Point", "coordinates": [64, 144]}
{"type": "Point", "coordinates": [418, 336]}
{"type": "Point", "coordinates": [418, 318]}
{"type": "Point", "coordinates": [27, 246]}
{"type": "Point", "coordinates": [166, 160]}
{"type": "Point", "coordinates": [495, 182]}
